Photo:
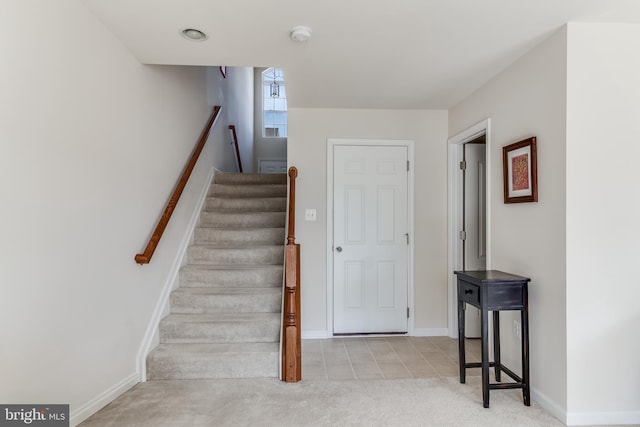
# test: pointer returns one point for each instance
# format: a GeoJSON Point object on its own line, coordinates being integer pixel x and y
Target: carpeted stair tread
{"type": "Point", "coordinates": [224, 348]}
{"type": "Point", "coordinates": [229, 237]}
{"type": "Point", "coordinates": [226, 300]}
{"type": "Point", "coordinates": [251, 178]}
{"type": "Point", "coordinates": [237, 275]}
{"type": "Point", "coordinates": [240, 191]}
{"type": "Point", "coordinates": [273, 254]}
{"type": "Point", "coordinates": [222, 317]}
{"type": "Point", "coordinates": [205, 361]}
{"type": "Point", "coordinates": [242, 219]}
{"type": "Point", "coordinates": [264, 204]}
{"type": "Point", "coordinates": [220, 328]}
{"type": "Point", "coordinates": [241, 267]}
{"type": "Point", "coordinates": [226, 291]}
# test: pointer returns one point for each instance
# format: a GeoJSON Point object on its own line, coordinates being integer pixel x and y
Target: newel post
{"type": "Point", "coordinates": [292, 343]}
{"type": "Point", "coordinates": [293, 174]}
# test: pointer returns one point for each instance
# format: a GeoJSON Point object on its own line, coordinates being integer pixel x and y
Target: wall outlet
{"type": "Point", "coordinates": [517, 330]}
{"type": "Point", "coordinates": [310, 215]}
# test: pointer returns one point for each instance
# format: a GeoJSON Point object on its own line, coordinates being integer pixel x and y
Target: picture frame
{"type": "Point", "coordinates": [223, 71]}
{"type": "Point", "coordinates": [520, 171]}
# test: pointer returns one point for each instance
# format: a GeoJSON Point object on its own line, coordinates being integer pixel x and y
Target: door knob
{"type": "Point", "coordinates": [339, 249]}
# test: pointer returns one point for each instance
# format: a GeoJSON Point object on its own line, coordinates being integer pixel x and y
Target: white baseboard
{"type": "Point", "coordinates": [602, 418]}
{"type": "Point", "coordinates": [151, 332]}
{"type": "Point", "coordinates": [314, 335]}
{"type": "Point", "coordinates": [430, 332]}
{"type": "Point", "coordinates": [549, 405]}
{"type": "Point", "coordinates": [584, 418]}
{"type": "Point", "coordinates": [94, 405]}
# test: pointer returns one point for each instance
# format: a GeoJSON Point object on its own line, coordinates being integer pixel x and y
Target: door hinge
{"type": "Point", "coordinates": [463, 235]}
{"type": "Point", "coordinates": [407, 165]}
{"type": "Point", "coordinates": [407, 312]}
{"type": "Point", "coordinates": [463, 165]}
{"type": "Point", "coordinates": [407, 234]}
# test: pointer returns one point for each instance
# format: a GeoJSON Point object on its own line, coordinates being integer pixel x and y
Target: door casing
{"type": "Point", "coordinates": [332, 142]}
{"type": "Point", "coordinates": [455, 210]}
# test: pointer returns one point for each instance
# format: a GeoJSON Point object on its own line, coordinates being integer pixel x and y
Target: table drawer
{"type": "Point", "coordinates": [506, 297]}
{"type": "Point", "coordinates": [469, 293]}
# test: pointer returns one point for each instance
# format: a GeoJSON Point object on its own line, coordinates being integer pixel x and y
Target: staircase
{"type": "Point", "coordinates": [225, 316]}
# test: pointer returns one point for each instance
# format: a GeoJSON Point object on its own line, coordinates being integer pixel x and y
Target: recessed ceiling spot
{"type": "Point", "coordinates": [300, 34]}
{"type": "Point", "coordinates": [194, 35]}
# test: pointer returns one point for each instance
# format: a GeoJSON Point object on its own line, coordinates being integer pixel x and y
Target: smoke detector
{"type": "Point", "coordinates": [300, 34]}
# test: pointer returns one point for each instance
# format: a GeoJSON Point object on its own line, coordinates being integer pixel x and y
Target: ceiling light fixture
{"type": "Point", "coordinates": [194, 35]}
{"type": "Point", "coordinates": [274, 88]}
{"type": "Point", "coordinates": [300, 34]}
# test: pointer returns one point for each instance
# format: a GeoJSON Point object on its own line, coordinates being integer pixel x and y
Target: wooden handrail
{"type": "Point", "coordinates": [234, 141]}
{"type": "Point", "coordinates": [145, 257]}
{"type": "Point", "coordinates": [291, 338]}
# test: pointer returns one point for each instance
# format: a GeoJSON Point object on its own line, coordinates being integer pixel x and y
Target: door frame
{"type": "Point", "coordinates": [332, 142]}
{"type": "Point", "coordinates": [455, 191]}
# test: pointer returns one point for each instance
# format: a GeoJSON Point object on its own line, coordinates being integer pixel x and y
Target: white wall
{"type": "Point", "coordinates": [265, 148]}
{"type": "Point", "coordinates": [308, 133]}
{"type": "Point", "coordinates": [240, 108]}
{"type": "Point", "coordinates": [92, 144]}
{"type": "Point", "coordinates": [529, 99]}
{"type": "Point", "coordinates": [235, 94]}
{"type": "Point", "coordinates": [603, 148]}
{"type": "Point", "coordinates": [219, 93]}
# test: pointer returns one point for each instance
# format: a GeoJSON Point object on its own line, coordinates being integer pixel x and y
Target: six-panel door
{"type": "Point", "coordinates": [370, 255]}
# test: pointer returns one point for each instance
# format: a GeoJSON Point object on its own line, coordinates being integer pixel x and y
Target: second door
{"type": "Point", "coordinates": [370, 251]}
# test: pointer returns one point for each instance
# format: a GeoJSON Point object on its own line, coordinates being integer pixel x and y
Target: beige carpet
{"type": "Point", "coordinates": [269, 402]}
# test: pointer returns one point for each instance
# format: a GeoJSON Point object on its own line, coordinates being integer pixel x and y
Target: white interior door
{"type": "Point", "coordinates": [370, 239]}
{"type": "Point", "coordinates": [475, 223]}
{"type": "Point", "coordinates": [475, 211]}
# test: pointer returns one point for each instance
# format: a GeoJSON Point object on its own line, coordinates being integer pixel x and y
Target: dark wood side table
{"type": "Point", "coordinates": [494, 290]}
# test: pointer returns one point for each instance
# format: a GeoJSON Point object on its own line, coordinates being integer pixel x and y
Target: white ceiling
{"type": "Point", "coordinates": [401, 54]}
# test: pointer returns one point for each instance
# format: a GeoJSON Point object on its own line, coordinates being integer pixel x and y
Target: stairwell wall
{"type": "Point", "coordinates": [239, 104]}
{"type": "Point", "coordinates": [92, 145]}
{"type": "Point", "coordinates": [235, 94]}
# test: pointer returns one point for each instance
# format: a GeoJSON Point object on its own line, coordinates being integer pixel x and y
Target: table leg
{"type": "Point", "coordinates": [484, 328]}
{"type": "Point", "coordinates": [525, 357]}
{"type": "Point", "coordinates": [496, 343]}
{"type": "Point", "coordinates": [461, 343]}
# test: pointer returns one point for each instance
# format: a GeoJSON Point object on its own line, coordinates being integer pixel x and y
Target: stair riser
{"type": "Point", "coordinates": [266, 277]}
{"type": "Point", "coordinates": [268, 302]}
{"type": "Point", "coordinates": [236, 220]}
{"type": "Point", "coordinates": [212, 366]}
{"type": "Point", "coordinates": [240, 191]}
{"type": "Point", "coordinates": [250, 178]}
{"type": "Point", "coordinates": [220, 332]}
{"type": "Point", "coordinates": [231, 256]}
{"type": "Point", "coordinates": [260, 236]}
{"type": "Point", "coordinates": [271, 204]}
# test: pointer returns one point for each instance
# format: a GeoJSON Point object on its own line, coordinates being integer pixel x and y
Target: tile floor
{"type": "Point", "coordinates": [385, 357]}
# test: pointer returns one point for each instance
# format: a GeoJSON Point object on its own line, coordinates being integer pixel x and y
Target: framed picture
{"type": "Point", "coordinates": [520, 170]}
{"type": "Point", "coordinates": [223, 71]}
